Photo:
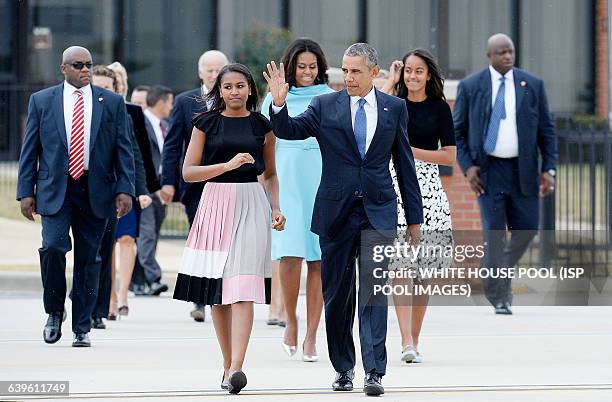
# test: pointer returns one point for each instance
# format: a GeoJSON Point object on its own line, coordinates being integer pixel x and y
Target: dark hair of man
{"type": "Point", "coordinates": [290, 57]}
{"type": "Point", "coordinates": [434, 87]}
{"type": "Point", "coordinates": [157, 93]}
{"type": "Point", "coordinates": [140, 88]}
{"type": "Point", "coordinates": [103, 71]}
{"type": "Point", "coordinates": [215, 93]}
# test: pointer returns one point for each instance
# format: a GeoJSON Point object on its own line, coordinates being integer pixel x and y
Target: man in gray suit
{"type": "Point", "coordinates": [159, 106]}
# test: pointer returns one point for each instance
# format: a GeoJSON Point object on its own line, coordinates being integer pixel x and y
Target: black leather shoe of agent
{"type": "Point", "coordinates": [140, 290]}
{"type": "Point", "coordinates": [98, 323]}
{"type": "Point", "coordinates": [198, 313]}
{"type": "Point", "coordinates": [503, 308]}
{"type": "Point", "coordinates": [81, 341]}
{"type": "Point", "coordinates": [52, 331]}
{"type": "Point", "coordinates": [156, 288]}
{"type": "Point", "coordinates": [344, 381]}
{"type": "Point", "coordinates": [372, 385]}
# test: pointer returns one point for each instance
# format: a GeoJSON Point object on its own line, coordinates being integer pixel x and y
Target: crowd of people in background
{"type": "Point", "coordinates": [273, 187]}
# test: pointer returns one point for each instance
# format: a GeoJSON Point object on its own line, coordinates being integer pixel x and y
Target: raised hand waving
{"type": "Point", "coordinates": [276, 82]}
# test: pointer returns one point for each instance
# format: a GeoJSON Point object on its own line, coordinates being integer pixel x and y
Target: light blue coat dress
{"type": "Point", "coordinates": [298, 167]}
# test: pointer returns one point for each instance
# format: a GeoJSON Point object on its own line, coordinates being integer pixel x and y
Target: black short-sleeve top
{"type": "Point", "coordinates": [228, 136]}
{"type": "Point", "coordinates": [430, 124]}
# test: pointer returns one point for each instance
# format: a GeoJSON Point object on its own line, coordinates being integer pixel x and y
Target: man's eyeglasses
{"type": "Point", "coordinates": [79, 65]}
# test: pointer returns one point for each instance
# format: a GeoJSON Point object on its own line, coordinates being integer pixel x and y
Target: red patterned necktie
{"type": "Point", "coordinates": [77, 138]}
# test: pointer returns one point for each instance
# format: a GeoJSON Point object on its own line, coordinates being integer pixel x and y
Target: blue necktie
{"type": "Point", "coordinates": [497, 115]}
{"type": "Point", "coordinates": [360, 128]}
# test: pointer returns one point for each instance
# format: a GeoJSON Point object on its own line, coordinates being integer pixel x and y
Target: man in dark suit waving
{"type": "Point", "coordinates": [76, 170]}
{"type": "Point", "coordinates": [502, 126]}
{"type": "Point", "coordinates": [358, 129]}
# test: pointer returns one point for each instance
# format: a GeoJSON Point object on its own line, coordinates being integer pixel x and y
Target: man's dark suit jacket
{"type": "Point", "coordinates": [155, 151]}
{"type": "Point", "coordinates": [344, 174]}
{"type": "Point", "coordinates": [43, 164]}
{"type": "Point", "coordinates": [471, 115]}
{"type": "Point", "coordinates": [186, 106]}
{"type": "Point", "coordinates": [138, 119]}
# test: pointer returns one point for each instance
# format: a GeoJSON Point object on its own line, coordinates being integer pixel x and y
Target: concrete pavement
{"type": "Point", "coordinates": [539, 354]}
{"type": "Point", "coordinates": [159, 353]}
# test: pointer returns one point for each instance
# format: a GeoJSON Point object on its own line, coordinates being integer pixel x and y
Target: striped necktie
{"type": "Point", "coordinates": [76, 165]}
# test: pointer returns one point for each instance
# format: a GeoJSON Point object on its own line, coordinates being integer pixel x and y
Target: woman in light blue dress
{"type": "Point", "coordinates": [298, 166]}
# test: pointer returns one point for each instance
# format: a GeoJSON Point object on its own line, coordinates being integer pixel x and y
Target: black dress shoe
{"type": "Point", "coordinates": [139, 290]}
{"type": "Point", "coordinates": [156, 288]}
{"type": "Point", "coordinates": [236, 382]}
{"type": "Point", "coordinates": [97, 323]}
{"type": "Point", "coordinates": [198, 313]}
{"type": "Point", "coordinates": [372, 385]}
{"type": "Point", "coordinates": [344, 381]}
{"type": "Point", "coordinates": [503, 308]}
{"type": "Point", "coordinates": [53, 328]}
{"type": "Point", "coordinates": [81, 340]}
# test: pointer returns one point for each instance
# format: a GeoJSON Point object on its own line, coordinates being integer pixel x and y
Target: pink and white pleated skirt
{"type": "Point", "coordinates": [227, 255]}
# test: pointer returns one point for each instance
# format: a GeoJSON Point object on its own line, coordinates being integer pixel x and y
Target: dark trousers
{"type": "Point", "coordinates": [138, 277]}
{"type": "Point", "coordinates": [338, 276]}
{"type": "Point", "coordinates": [106, 269]}
{"type": "Point", "coordinates": [151, 220]}
{"type": "Point", "coordinates": [191, 207]}
{"type": "Point", "coordinates": [87, 229]}
{"type": "Point", "coordinates": [503, 207]}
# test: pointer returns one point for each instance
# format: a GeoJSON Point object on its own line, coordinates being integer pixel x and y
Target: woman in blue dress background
{"type": "Point", "coordinates": [298, 165]}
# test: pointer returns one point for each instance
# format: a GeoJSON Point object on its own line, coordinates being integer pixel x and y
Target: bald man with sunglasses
{"type": "Point", "coordinates": [76, 170]}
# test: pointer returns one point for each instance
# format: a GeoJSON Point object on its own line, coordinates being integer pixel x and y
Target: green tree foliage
{"type": "Point", "coordinates": [259, 46]}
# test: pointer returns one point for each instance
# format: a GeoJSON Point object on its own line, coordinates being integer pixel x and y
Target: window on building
{"type": "Point", "coordinates": [164, 39]}
{"type": "Point", "coordinates": [557, 45]}
{"type": "Point", "coordinates": [398, 26]}
{"type": "Point", "coordinates": [333, 24]}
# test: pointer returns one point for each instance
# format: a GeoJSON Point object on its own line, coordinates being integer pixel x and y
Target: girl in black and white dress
{"type": "Point", "coordinates": [418, 80]}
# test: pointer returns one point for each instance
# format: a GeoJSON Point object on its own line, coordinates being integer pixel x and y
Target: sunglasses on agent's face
{"type": "Point", "coordinates": [79, 65]}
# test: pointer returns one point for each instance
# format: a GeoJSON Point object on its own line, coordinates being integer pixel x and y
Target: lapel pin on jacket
{"type": "Point", "coordinates": [100, 99]}
{"type": "Point", "coordinates": [385, 109]}
{"type": "Point", "coordinates": [523, 83]}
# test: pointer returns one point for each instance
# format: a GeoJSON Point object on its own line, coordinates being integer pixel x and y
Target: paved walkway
{"type": "Point", "coordinates": [539, 354]}
{"type": "Point", "coordinates": [158, 353]}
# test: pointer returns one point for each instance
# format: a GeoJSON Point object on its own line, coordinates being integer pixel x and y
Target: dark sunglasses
{"type": "Point", "coordinates": [79, 65]}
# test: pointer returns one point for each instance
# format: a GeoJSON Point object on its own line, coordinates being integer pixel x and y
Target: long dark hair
{"type": "Point", "coordinates": [434, 87]}
{"type": "Point", "coordinates": [215, 93]}
{"type": "Point", "coordinates": [290, 57]}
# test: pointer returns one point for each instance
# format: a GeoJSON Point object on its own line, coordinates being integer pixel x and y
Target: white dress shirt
{"type": "Point", "coordinates": [69, 101]}
{"type": "Point", "coordinates": [370, 108]}
{"type": "Point", "coordinates": [507, 137]}
{"type": "Point", "coordinates": [155, 122]}
{"type": "Point", "coordinates": [371, 111]}
{"type": "Point", "coordinates": [205, 91]}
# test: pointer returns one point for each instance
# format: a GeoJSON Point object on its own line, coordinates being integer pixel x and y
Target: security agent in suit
{"type": "Point", "coordinates": [159, 101]}
{"type": "Point", "coordinates": [76, 170]}
{"type": "Point", "coordinates": [502, 125]}
{"type": "Point", "coordinates": [186, 106]}
{"type": "Point", "coordinates": [135, 111]}
{"type": "Point", "coordinates": [105, 78]}
{"type": "Point", "coordinates": [358, 129]}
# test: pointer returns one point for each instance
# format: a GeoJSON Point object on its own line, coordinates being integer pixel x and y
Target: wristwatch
{"type": "Point", "coordinates": [552, 172]}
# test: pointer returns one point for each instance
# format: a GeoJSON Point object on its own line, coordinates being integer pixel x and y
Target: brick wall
{"type": "Point", "coordinates": [465, 212]}
{"type": "Point", "coordinates": [602, 77]}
